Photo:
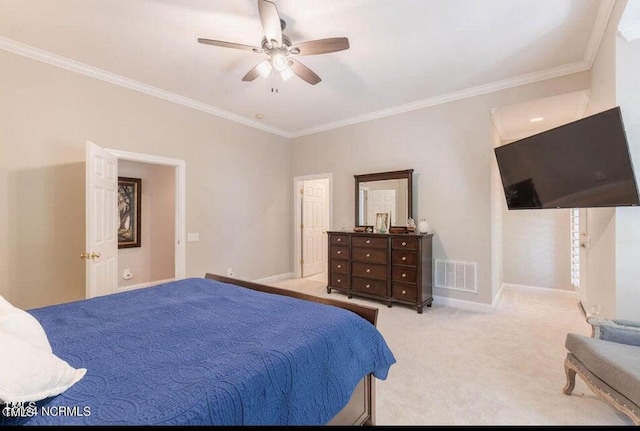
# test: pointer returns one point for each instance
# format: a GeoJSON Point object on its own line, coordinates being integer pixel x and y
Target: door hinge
{"type": "Point", "coordinates": [301, 226]}
{"type": "Point", "coordinates": [301, 261]}
{"type": "Point", "coordinates": [301, 191]}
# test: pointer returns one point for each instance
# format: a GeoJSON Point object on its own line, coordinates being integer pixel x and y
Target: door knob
{"type": "Point", "coordinates": [91, 256]}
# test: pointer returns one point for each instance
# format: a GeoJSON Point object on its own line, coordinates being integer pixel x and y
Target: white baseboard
{"type": "Point", "coordinates": [462, 304]}
{"type": "Point", "coordinates": [490, 308]}
{"type": "Point", "coordinates": [274, 278]}
{"type": "Point", "coordinates": [539, 288]}
{"type": "Point", "coordinates": [141, 285]}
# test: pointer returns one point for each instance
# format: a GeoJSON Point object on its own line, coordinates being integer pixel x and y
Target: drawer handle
{"type": "Point", "coordinates": [339, 266]}
{"type": "Point", "coordinates": [339, 280]}
{"type": "Point", "coordinates": [404, 292]}
{"type": "Point", "coordinates": [368, 241]}
{"type": "Point", "coordinates": [404, 257]}
{"type": "Point", "coordinates": [368, 286]}
{"type": "Point", "coordinates": [339, 239]}
{"type": "Point", "coordinates": [368, 254]}
{"type": "Point", "coordinates": [404, 275]}
{"type": "Point", "coordinates": [368, 270]}
{"type": "Point", "coordinates": [339, 251]}
{"type": "Point", "coordinates": [404, 243]}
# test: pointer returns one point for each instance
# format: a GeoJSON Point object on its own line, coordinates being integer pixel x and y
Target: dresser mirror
{"type": "Point", "coordinates": [386, 193]}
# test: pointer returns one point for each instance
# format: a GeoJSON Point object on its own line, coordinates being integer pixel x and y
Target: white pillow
{"type": "Point", "coordinates": [23, 325]}
{"type": "Point", "coordinates": [28, 373]}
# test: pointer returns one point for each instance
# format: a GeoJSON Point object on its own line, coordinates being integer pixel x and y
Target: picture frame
{"type": "Point", "coordinates": [382, 222]}
{"type": "Point", "coordinates": [129, 210]}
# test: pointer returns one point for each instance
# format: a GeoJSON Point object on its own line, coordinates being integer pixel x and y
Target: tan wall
{"type": "Point", "coordinates": [238, 197]}
{"type": "Point", "coordinates": [450, 148]}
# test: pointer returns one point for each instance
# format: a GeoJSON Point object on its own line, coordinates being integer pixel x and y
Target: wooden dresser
{"type": "Point", "coordinates": [387, 267]}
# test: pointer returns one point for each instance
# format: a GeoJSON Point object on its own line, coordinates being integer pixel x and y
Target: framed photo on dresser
{"type": "Point", "coordinates": [382, 222]}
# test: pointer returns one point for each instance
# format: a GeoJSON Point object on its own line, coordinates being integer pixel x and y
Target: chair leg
{"type": "Point", "coordinates": [571, 377]}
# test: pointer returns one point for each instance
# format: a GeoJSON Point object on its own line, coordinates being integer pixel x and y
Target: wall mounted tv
{"type": "Point", "coordinates": [583, 164]}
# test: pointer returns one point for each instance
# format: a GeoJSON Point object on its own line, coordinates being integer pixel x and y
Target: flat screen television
{"type": "Point", "coordinates": [583, 164]}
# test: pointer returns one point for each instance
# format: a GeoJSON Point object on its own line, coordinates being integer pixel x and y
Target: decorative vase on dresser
{"type": "Point", "coordinates": [387, 267]}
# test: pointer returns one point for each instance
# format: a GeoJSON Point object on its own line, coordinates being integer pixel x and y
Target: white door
{"type": "Point", "coordinates": [381, 201]}
{"type": "Point", "coordinates": [101, 251]}
{"type": "Point", "coordinates": [315, 222]}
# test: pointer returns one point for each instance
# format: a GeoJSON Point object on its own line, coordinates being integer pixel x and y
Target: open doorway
{"type": "Point", "coordinates": [534, 247]}
{"type": "Point", "coordinates": [103, 273]}
{"type": "Point", "coordinates": [312, 220]}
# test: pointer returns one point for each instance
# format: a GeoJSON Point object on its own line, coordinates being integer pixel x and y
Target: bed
{"type": "Point", "coordinates": [213, 351]}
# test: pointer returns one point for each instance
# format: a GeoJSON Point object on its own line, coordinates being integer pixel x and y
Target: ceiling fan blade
{"type": "Point", "coordinates": [320, 46]}
{"type": "Point", "coordinates": [229, 44]}
{"type": "Point", "coordinates": [303, 72]}
{"type": "Point", "coordinates": [253, 73]}
{"type": "Point", "coordinates": [270, 21]}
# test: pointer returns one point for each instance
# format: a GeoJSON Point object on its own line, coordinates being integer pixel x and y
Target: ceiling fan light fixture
{"type": "Point", "coordinates": [279, 62]}
{"type": "Point", "coordinates": [286, 74]}
{"type": "Point", "coordinates": [264, 68]}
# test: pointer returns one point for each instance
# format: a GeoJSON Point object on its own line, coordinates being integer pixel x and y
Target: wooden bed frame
{"type": "Point", "coordinates": [361, 407]}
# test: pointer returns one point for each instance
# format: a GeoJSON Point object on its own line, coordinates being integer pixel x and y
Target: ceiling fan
{"type": "Point", "coordinates": [280, 49]}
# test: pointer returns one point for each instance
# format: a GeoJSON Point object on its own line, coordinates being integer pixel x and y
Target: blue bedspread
{"type": "Point", "coordinates": [198, 351]}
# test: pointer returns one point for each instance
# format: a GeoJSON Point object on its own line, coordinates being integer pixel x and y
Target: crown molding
{"type": "Point", "coordinates": [598, 30]}
{"type": "Point", "coordinates": [94, 72]}
{"type": "Point", "coordinates": [529, 78]}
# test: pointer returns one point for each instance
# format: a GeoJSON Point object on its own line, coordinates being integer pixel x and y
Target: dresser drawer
{"type": "Point", "coordinates": [404, 292]}
{"type": "Point", "coordinates": [367, 285]}
{"type": "Point", "coordinates": [339, 240]}
{"type": "Point", "coordinates": [339, 266]}
{"type": "Point", "coordinates": [405, 243]}
{"type": "Point", "coordinates": [368, 241]}
{"type": "Point", "coordinates": [338, 252]}
{"type": "Point", "coordinates": [403, 257]}
{"type": "Point", "coordinates": [370, 270]}
{"type": "Point", "coordinates": [339, 280]}
{"type": "Point", "coordinates": [407, 275]}
{"type": "Point", "coordinates": [372, 255]}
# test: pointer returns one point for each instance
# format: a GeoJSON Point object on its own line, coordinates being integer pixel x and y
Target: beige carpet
{"type": "Point", "coordinates": [457, 367]}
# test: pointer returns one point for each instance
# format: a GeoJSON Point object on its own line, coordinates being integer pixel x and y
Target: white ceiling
{"type": "Point", "coordinates": [403, 55]}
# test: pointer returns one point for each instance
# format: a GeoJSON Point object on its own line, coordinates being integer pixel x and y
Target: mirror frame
{"type": "Point", "coordinates": [384, 176]}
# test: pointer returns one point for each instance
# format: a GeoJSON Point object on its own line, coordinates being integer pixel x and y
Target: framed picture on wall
{"type": "Point", "coordinates": [129, 202]}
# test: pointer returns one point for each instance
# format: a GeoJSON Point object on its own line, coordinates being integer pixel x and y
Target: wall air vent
{"type": "Point", "coordinates": [456, 275]}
